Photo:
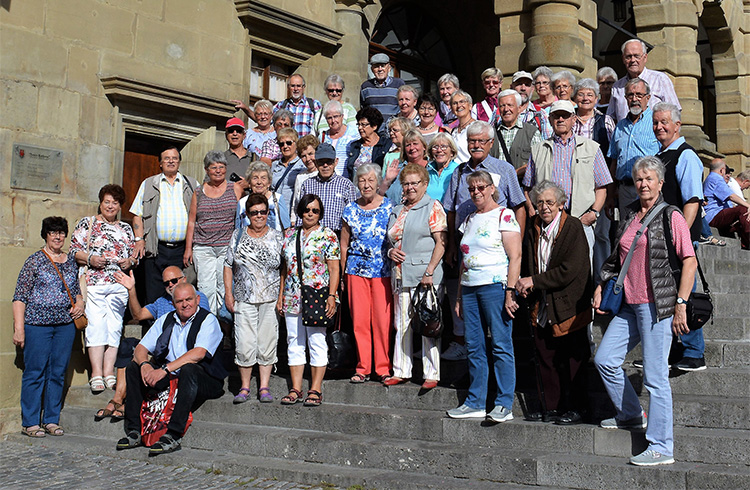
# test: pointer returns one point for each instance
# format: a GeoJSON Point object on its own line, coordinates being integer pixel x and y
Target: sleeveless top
{"type": "Point", "coordinates": [214, 217]}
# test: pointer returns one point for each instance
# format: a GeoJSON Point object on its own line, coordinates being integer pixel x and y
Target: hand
{"type": "Point", "coordinates": [229, 300]}
{"type": "Point", "coordinates": [187, 257]}
{"type": "Point", "coordinates": [426, 280]}
{"type": "Point", "coordinates": [139, 249]}
{"type": "Point", "coordinates": [598, 300]}
{"type": "Point", "coordinates": [76, 311]}
{"type": "Point", "coordinates": [280, 306]}
{"type": "Point", "coordinates": [343, 281]}
{"type": "Point", "coordinates": [510, 303]}
{"type": "Point", "coordinates": [244, 184]}
{"type": "Point", "coordinates": [126, 264]}
{"type": "Point", "coordinates": [392, 171]}
{"type": "Point", "coordinates": [397, 255]}
{"type": "Point", "coordinates": [97, 261]}
{"type": "Point", "coordinates": [459, 309]}
{"type": "Point", "coordinates": [524, 285]}
{"type": "Point", "coordinates": [19, 336]}
{"type": "Point", "coordinates": [330, 306]}
{"type": "Point", "coordinates": [588, 218]}
{"type": "Point", "coordinates": [239, 105]}
{"type": "Point", "coordinates": [153, 375]}
{"type": "Point", "coordinates": [128, 281]}
{"type": "Point", "coordinates": [679, 322]}
{"type": "Point", "coordinates": [609, 208]}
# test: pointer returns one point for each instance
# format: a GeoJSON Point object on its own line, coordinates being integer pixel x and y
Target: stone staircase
{"type": "Point", "coordinates": [369, 436]}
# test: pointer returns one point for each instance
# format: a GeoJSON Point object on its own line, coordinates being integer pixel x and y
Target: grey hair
{"type": "Point", "coordinates": [282, 114]}
{"type": "Point", "coordinates": [492, 72]}
{"type": "Point", "coordinates": [636, 81]}
{"type": "Point", "coordinates": [508, 93]}
{"type": "Point", "coordinates": [643, 45]}
{"type": "Point", "coordinates": [743, 176]}
{"type": "Point", "coordinates": [366, 169]}
{"type": "Point", "coordinates": [335, 79]}
{"type": "Point", "coordinates": [606, 72]}
{"type": "Point", "coordinates": [716, 164]}
{"type": "Point", "coordinates": [214, 156]}
{"type": "Point", "coordinates": [483, 176]}
{"type": "Point", "coordinates": [463, 94]}
{"type": "Point", "coordinates": [408, 88]}
{"type": "Point", "coordinates": [263, 104]}
{"type": "Point", "coordinates": [333, 106]}
{"type": "Point", "coordinates": [413, 135]}
{"type": "Point", "coordinates": [542, 71]}
{"type": "Point", "coordinates": [257, 167]}
{"type": "Point", "coordinates": [480, 127]}
{"type": "Point", "coordinates": [673, 110]}
{"type": "Point", "coordinates": [564, 74]}
{"type": "Point", "coordinates": [649, 163]}
{"type": "Point", "coordinates": [444, 138]}
{"type": "Point", "coordinates": [404, 123]}
{"type": "Point", "coordinates": [449, 78]}
{"type": "Point", "coordinates": [289, 80]}
{"type": "Point", "coordinates": [586, 83]}
{"type": "Point", "coordinates": [545, 185]}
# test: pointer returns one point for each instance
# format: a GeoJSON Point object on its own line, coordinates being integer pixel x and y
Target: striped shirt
{"type": "Point", "coordinates": [586, 129]}
{"type": "Point", "coordinates": [631, 141]}
{"type": "Point", "coordinates": [336, 193]}
{"type": "Point", "coordinates": [382, 97]}
{"type": "Point", "coordinates": [171, 217]}
{"type": "Point", "coordinates": [662, 90]}
{"type": "Point", "coordinates": [214, 217]}
{"type": "Point", "coordinates": [304, 115]}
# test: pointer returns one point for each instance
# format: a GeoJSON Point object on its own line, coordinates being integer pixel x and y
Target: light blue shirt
{"type": "Point", "coordinates": [717, 194]}
{"type": "Point", "coordinates": [689, 172]}
{"type": "Point", "coordinates": [209, 336]}
{"type": "Point", "coordinates": [439, 183]}
{"type": "Point", "coordinates": [164, 305]}
{"type": "Point", "coordinates": [631, 141]}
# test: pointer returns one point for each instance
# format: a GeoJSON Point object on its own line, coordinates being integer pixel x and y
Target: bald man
{"type": "Point", "coordinates": [171, 277]}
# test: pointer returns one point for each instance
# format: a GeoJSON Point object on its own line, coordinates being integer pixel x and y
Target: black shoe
{"type": "Point", "coordinates": [638, 363]}
{"type": "Point", "coordinates": [570, 417]}
{"type": "Point", "coordinates": [691, 364]}
{"type": "Point", "coordinates": [166, 444]}
{"type": "Point", "coordinates": [551, 416]}
{"type": "Point", "coordinates": [534, 417]}
{"type": "Point", "coordinates": [133, 439]}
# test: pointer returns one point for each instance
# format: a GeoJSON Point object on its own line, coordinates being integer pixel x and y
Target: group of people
{"type": "Point", "coordinates": [502, 207]}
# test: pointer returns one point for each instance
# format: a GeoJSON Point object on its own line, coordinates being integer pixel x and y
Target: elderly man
{"type": "Point", "coordinates": [160, 220]}
{"type": "Point", "coordinates": [303, 108]}
{"type": "Point", "coordinates": [523, 83]}
{"type": "Point", "coordinates": [575, 164]}
{"type": "Point", "coordinates": [238, 158]}
{"type": "Point", "coordinates": [184, 344]}
{"type": "Point", "coordinates": [334, 190]}
{"type": "Point", "coordinates": [719, 213]}
{"type": "Point", "coordinates": [634, 56]}
{"type": "Point", "coordinates": [515, 136]}
{"type": "Point", "coordinates": [380, 91]}
{"type": "Point", "coordinates": [632, 139]}
{"type": "Point", "coordinates": [270, 150]}
{"type": "Point", "coordinates": [486, 110]}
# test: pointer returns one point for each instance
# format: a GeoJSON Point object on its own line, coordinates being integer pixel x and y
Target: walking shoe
{"type": "Point", "coordinates": [649, 457]}
{"type": "Point", "coordinates": [133, 439]}
{"type": "Point", "coordinates": [634, 423]}
{"type": "Point", "coordinates": [691, 364]}
{"type": "Point", "coordinates": [455, 352]}
{"type": "Point", "coordinates": [500, 414]}
{"type": "Point", "coordinates": [166, 444]}
{"type": "Point", "coordinates": [570, 417]}
{"type": "Point", "coordinates": [466, 412]}
{"type": "Point", "coordinates": [638, 363]}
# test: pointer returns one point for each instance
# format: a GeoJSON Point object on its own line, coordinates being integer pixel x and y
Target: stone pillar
{"type": "Point", "coordinates": [510, 54]}
{"type": "Point", "coordinates": [350, 61]}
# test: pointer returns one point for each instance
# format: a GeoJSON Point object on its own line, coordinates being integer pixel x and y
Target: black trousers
{"type": "Point", "coordinates": [563, 367]}
{"type": "Point", "coordinates": [154, 266]}
{"type": "Point", "coordinates": [193, 388]}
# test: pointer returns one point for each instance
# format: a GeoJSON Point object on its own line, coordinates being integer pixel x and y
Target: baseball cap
{"type": "Point", "coordinates": [235, 121]}
{"type": "Point", "coordinates": [562, 105]}
{"type": "Point", "coordinates": [519, 75]}
{"type": "Point", "coordinates": [325, 151]}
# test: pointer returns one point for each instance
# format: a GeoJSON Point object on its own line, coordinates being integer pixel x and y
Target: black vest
{"type": "Point", "coordinates": [671, 188]}
{"type": "Point", "coordinates": [212, 364]}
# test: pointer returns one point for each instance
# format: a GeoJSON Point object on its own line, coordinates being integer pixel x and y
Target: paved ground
{"type": "Point", "coordinates": [27, 467]}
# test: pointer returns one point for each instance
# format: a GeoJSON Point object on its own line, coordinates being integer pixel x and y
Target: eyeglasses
{"type": "Point", "coordinates": [479, 141]}
{"type": "Point", "coordinates": [258, 212]}
{"type": "Point", "coordinates": [411, 184]}
{"type": "Point", "coordinates": [312, 210]}
{"type": "Point", "coordinates": [563, 86]}
{"type": "Point", "coordinates": [427, 108]}
{"type": "Point", "coordinates": [491, 82]}
{"type": "Point", "coordinates": [323, 163]}
{"type": "Point", "coordinates": [334, 117]}
{"type": "Point", "coordinates": [285, 143]}
{"type": "Point", "coordinates": [634, 95]}
{"type": "Point", "coordinates": [460, 102]}
{"type": "Point", "coordinates": [441, 147]}
{"type": "Point", "coordinates": [561, 115]}
{"type": "Point", "coordinates": [478, 187]}
{"type": "Point", "coordinates": [541, 83]}
{"type": "Point", "coordinates": [549, 204]}
{"type": "Point", "coordinates": [363, 124]}
{"type": "Point", "coordinates": [56, 234]}
{"type": "Point", "coordinates": [235, 130]}
{"type": "Point", "coordinates": [628, 57]}
{"type": "Point", "coordinates": [172, 282]}
{"type": "Point", "coordinates": [213, 168]}
{"type": "Point", "coordinates": [334, 90]}
{"type": "Point", "coordinates": [394, 131]}
{"type": "Point", "coordinates": [607, 83]}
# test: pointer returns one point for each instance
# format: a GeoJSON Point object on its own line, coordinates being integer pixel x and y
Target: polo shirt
{"type": "Point", "coordinates": [236, 164]}
{"type": "Point", "coordinates": [689, 171]}
{"type": "Point", "coordinates": [439, 183]}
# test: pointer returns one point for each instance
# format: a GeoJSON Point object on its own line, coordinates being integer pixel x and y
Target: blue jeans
{"type": "Point", "coordinates": [45, 356]}
{"type": "Point", "coordinates": [634, 324]}
{"type": "Point", "coordinates": [483, 309]}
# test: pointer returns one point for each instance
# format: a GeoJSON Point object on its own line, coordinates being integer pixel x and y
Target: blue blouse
{"type": "Point", "coordinates": [40, 288]}
{"type": "Point", "coordinates": [367, 246]}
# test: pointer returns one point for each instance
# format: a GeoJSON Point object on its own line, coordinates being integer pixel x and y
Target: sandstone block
{"type": "Point", "coordinates": [665, 13]}
{"type": "Point", "coordinates": [83, 70]}
{"type": "Point", "coordinates": [692, 111]}
{"type": "Point", "coordinates": [587, 15]}
{"type": "Point", "coordinates": [508, 7]}
{"type": "Point", "coordinates": [92, 23]}
{"type": "Point", "coordinates": [556, 50]}
{"type": "Point", "coordinates": [208, 16]}
{"type": "Point", "coordinates": [151, 8]}
{"type": "Point", "coordinates": [556, 19]}
{"type": "Point", "coordinates": [19, 102]}
{"type": "Point", "coordinates": [219, 58]}
{"type": "Point", "coordinates": [29, 56]}
{"type": "Point", "coordinates": [95, 162]}
{"type": "Point", "coordinates": [96, 120]}
{"type": "Point", "coordinates": [58, 112]}
{"type": "Point", "coordinates": [26, 14]}
{"type": "Point", "coordinates": [167, 45]}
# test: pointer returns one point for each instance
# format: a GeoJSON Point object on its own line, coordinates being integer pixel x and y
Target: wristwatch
{"type": "Point", "coordinates": [164, 367]}
{"type": "Point", "coordinates": [681, 301]}
{"type": "Point", "coordinates": [427, 274]}
{"type": "Point", "coordinates": [596, 213]}
{"type": "Point", "coordinates": [138, 238]}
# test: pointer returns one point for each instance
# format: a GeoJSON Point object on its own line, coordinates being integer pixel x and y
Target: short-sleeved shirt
{"type": "Point", "coordinates": [660, 85]}
{"type": "Point", "coordinates": [237, 165]}
{"type": "Point", "coordinates": [320, 246]}
{"type": "Point", "coordinates": [631, 141]}
{"type": "Point", "coordinates": [484, 258]}
{"type": "Point", "coordinates": [270, 149]}
{"type": "Point", "coordinates": [336, 193]}
{"type": "Point", "coordinates": [285, 187]}
{"type": "Point", "coordinates": [440, 182]}
{"type": "Point", "coordinates": [366, 256]}
{"type": "Point", "coordinates": [172, 215]}
{"type": "Point", "coordinates": [689, 171]}
{"type": "Point", "coordinates": [717, 194]}
{"type": "Point", "coordinates": [113, 241]}
{"type": "Point", "coordinates": [209, 336]}
{"type": "Point", "coordinates": [304, 113]}
{"type": "Point", "coordinates": [40, 288]}
{"type": "Point", "coordinates": [164, 305]}
{"type": "Point", "coordinates": [254, 141]}
{"type": "Point", "coordinates": [255, 265]}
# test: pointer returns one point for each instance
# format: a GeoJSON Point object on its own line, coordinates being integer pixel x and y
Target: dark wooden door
{"type": "Point", "coordinates": [141, 161]}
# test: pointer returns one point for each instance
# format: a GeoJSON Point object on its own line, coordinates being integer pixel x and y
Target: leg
{"type": "Point", "coordinates": [296, 341]}
{"type": "Point", "coordinates": [574, 354]}
{"type": "Point", "coordinates": [477, 347]}
{"type": "Point", "coordinates": [501, 328]}
{"type": "Point", "coordinates": [402, 350]}
{"type": "Point", "coordinates": [194, 386]}
{"type": "Point", "coordinates": [382, 306]}
{"type": "Point", "coordinates": [725, 221]}
{"type": "Point", "coordinates": [61, 346]}
{"type": "Point", "coordinates": [219, 254]}
{"type": "Point", "coordinates": [36, 354]}
{"type": "Point", "coordinates": [206, 271]}
{"type": "Point", "coordinates": [245, 339]}
{"type": "Point", "coordinates": [136, 390]}
{"type": "Point", "coordinates": [360, 291]}
{"type": "Point", "coordinates": [268, 339]}
{"type": "Point", "coordinates": [116, 300]}
{"type": "Point", "coordinates": [431, 350]}
{"type": "Point", "coordinates": [602, 246]}
{"type": "Point", "coordinates": [96, 332]}
{"type": "Point", "coordinates": [544, 343]}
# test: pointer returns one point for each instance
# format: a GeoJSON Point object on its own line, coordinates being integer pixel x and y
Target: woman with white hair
{"type": "Point", "coordinates": [562, 84]}
{"type": "Point", "coordinates": [461, 107]}
{"type": "Point", "coordinates": [338, 134]}
{"type": "Point", "coordinates": [334, 87]}
{"type": "Point", "coordinates": [606, 78]}
{"type": "Point", "coordinates": [448, 84]}
{"type": "Point", "coordinates": [543, 87]}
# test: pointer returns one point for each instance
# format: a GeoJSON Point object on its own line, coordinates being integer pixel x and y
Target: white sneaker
{"type": "Point", "coordinates": [466, 412]}
{"type": "Point", "coordinates": [500, 414]}
{"type": "Point", "coordinates": [455, 352]}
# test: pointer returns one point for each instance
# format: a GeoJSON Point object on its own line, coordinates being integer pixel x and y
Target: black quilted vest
{"type": "Point", "coordinates": [671, 188]}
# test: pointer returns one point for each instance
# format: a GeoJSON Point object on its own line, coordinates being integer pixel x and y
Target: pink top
{"type": "Point", "coordinates": [638, 272]}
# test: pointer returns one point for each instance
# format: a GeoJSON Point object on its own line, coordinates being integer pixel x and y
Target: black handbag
{"type": "Point", "coordinates": [313, 301]}
{"type": "Point", "coordinates": [427, 315]}
{"type": "Point", "coordinates": [342, 354]}
{"type": "Point", "coordinates": [700, 309]}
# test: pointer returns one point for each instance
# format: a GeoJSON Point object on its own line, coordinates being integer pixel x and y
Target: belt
{"type": "Point", "coordinates": [172, 244]}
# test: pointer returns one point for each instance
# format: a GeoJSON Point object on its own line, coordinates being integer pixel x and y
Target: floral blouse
{"type": "Point", "coordinates": [255, 265]}
{"type": "Point", "coordinates": [485, 261]}
{"type": "Point", "coordinates": [368, 246]}
{"type": "Point", "coordinates": [319, 246]}
{"type": "Point", "coordinates": [40, 288]}
{"type": "Point", "coordinates": [114, 242]}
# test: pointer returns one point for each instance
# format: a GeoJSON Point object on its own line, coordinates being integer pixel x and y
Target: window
{"type": "Point", "coordinates": [268, 79]}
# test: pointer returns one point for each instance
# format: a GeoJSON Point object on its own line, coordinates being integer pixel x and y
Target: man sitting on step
{"type": "Point", "coordinates": [186, 344]}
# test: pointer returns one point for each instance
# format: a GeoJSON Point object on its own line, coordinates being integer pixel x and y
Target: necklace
{"type": "Point", "coordinates": [432, 125]}
{"type": "Point", "coordinates": [54, 254]}
{"type": "Point", "coordinates": [461, 127]}
{"type": "Point", "coordinates": [106, 220]}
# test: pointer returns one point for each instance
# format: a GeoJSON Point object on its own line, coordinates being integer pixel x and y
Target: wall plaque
{"type": "Point", "coordinates": [36, 169]}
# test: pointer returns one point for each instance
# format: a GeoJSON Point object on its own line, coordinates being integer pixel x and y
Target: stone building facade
{"type": "Point", "coordinates": [98, 84]}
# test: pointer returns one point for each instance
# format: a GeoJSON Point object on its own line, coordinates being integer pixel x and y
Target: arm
{"type": "Point", "coordinates": [228, 293]}
{"type": "Point", "coordinates": [282, 279]}
{"type": "Point", "coordinates": [19, 326]}
{"type": "Point", "coordinates": [239, 105]}
{"type": "Point", "coordinates": [690, 210]}
{"type": "Point", "coordinates": [589, 217]}
{"type": "Point", "coordinates": [512, 245]}
{"type": "Point", "coordinates": [679, 322]}
{"type": "Point", "coordinates": [344, 241]}
{"type": "Point", "coordinates": [530, 209]}
{"type": "Point", "coordinates": [140, 244]}
{"type": "Point", "coordinates": [520, 212]}
{"type": "Point", "coordinates": [128, 281]}
{"type": "Point", "coordinates": [437, 254]}
{"type": "Point", "coordinates": [333, 285]}
{"type": "Point", "coordinates": [740, 202]}
{"type": "Point", "coordinates": [391, 174]}
{"type": "Point", "coordinates": [151, 375]}
{"type": "Point", "coordinates": [187, 258]}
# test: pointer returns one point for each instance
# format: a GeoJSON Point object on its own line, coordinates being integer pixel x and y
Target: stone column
{"type": "Point", "coordinates": [350, 61]}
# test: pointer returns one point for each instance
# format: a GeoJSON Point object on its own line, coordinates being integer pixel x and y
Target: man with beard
{"type": "Point", "coordinates": [632, 139]}
{"type": "Point", "coordinates": [523, 83]}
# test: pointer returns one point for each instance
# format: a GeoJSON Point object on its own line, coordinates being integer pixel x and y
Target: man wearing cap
{"type": "Point", "coordinates": [515, 136]}
{"type": "Point", "coordinates": [333, 190]}
{"type": "Point", "coordinates": [160, 220]}
{"type": "Point", "coordinates": [523, 83]}
{"type": "Point", "coordinates": [381, 91]}
{"type": "Point", "coordinates": [238, 159]}
{"type": "Point", "coordinates": [303, 108]}
{"type": "Point", "coordinates": [574, 163]}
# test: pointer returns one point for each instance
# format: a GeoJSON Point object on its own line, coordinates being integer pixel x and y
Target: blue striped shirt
{"type": "Point", "coordinates": [382, 97]}
{"type": "Point", "coordinates": [631, 141]}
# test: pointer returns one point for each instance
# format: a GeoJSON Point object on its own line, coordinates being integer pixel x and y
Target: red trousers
{"type": "Point", "coordinates": [370, 302]}
{"type": "Point", "coordinates": [733, 219]}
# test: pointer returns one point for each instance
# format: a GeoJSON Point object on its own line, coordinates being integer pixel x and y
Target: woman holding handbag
{"type": "Point", "coordinates": [654, 306]}
{"type": "Point", "coordinates": [43, 327]}
{"type": "Point", "coordinates": [308, 300]}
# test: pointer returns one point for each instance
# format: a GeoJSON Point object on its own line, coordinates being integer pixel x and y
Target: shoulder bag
{"type": "Point", "coordinates": [81, 322]}
{"type": "Point", "coordinates": [313, 301]}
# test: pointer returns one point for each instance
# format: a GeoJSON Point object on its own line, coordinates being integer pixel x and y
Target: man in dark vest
{"type": "Point", "coordinates": [514, 137]}
{"type": "Point", "coordinates": [683, 187]}
{"type": "Point", "coordinates": [184, 343]}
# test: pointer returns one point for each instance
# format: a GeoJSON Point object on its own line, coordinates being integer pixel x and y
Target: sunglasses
{"type": "Point", "coordinates": [261, 212]}
{"type": "Point", "coordinates": [334, 90]}
{"type": "Point", "coordinates": [285, 143]}
{"type": "Point", "coordinates": [479, 187]}
{"type": "Point", "coordinates": [172, 282]}
{"type": "Point", "coordinates": [235, 130]}
{"type": "Point", "coordinates": [312, 210]}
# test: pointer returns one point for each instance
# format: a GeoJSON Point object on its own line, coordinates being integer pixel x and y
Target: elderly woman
{"type": "Point", "coordinates": [105, 245]}
{"type": "Point", "coordinates": [211, 222]}
{"type": "Point", "coordinates": [542, 85]}
{"type": "Point", "coordinates": [270, 151]}
{"type": "Point", "coordinates": [407, 103]}
{"type": "Point", "coordinates": [397, 127]}
{"type": "Point", "coordinates": [557, 284]}
{"type": "Point", "coordinates": [43, 327]}
{"type": "Point", "coordinates": [334, 87]}
{"type": "Point", "coordinates": [491, 247]}
{"type": "Point", "coordinates": [416, 237]}
{"type": "Point", "coordinates": [492, 81]}
{"type": "Point", "coordinates": [590, 122]}
{"type": "Point", "coordinates": [338, 134]}
{"type": "Point", "coordinates": [285, 170]}
{"type": "Point", "coordinates": [654, 307]}
{"type": "Point", "coordinates": [370, 147]}
{"type": "Point", "coordinates": [606, 78]}
{"type": "Point", "coordinates": [448, 84]}
{"type": "Point", "coordinates": [429, 125]}
{"type": "Point", "coordinates": [306, 151]}
{"type": "Point", "coordinates": [261, 113]}
{"type": "Point", "coordinates": [461, 107]}
{"type": "Point", "coordinates": [367, 274]}
{"type": "Point", "coordinates": [442, 149]}
{"type": "Point", "coordinates": [259, 177]}
{"type": "Point", "coordinates": [318, 258]}
{"type": "Point", "coordinates": [562, 85]}
{"type": "Point", "coordinates": [413, 150]}
{"type": "Point", "coordinates": [251, 288]}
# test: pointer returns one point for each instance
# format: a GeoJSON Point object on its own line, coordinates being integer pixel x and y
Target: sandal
{"type": "Point", "coordinates": [53, 429]}
{"type": "Point", "coordinates": [716, 241]}
{"type": "Point", "coordinates": [110, 381]}
{"type": "Point", "coordinates": [33, 431]}
{"type": "Point", "coordinates": [119, 412]}
{"type": "Point", "coordinates": [106, 412]}
{"type": "Point", "coordinates": [242, 396]}
{"type": "Point", "coordinates": [97, 384]}
{"type": "Point", "coordinates": [359, 378]}
{"type": "Point", "coordinates": [264, 395]}
{"type": "Point", "coordinates": [293, 397]}
{"type": "Point", "coordinates": [314, 399]}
